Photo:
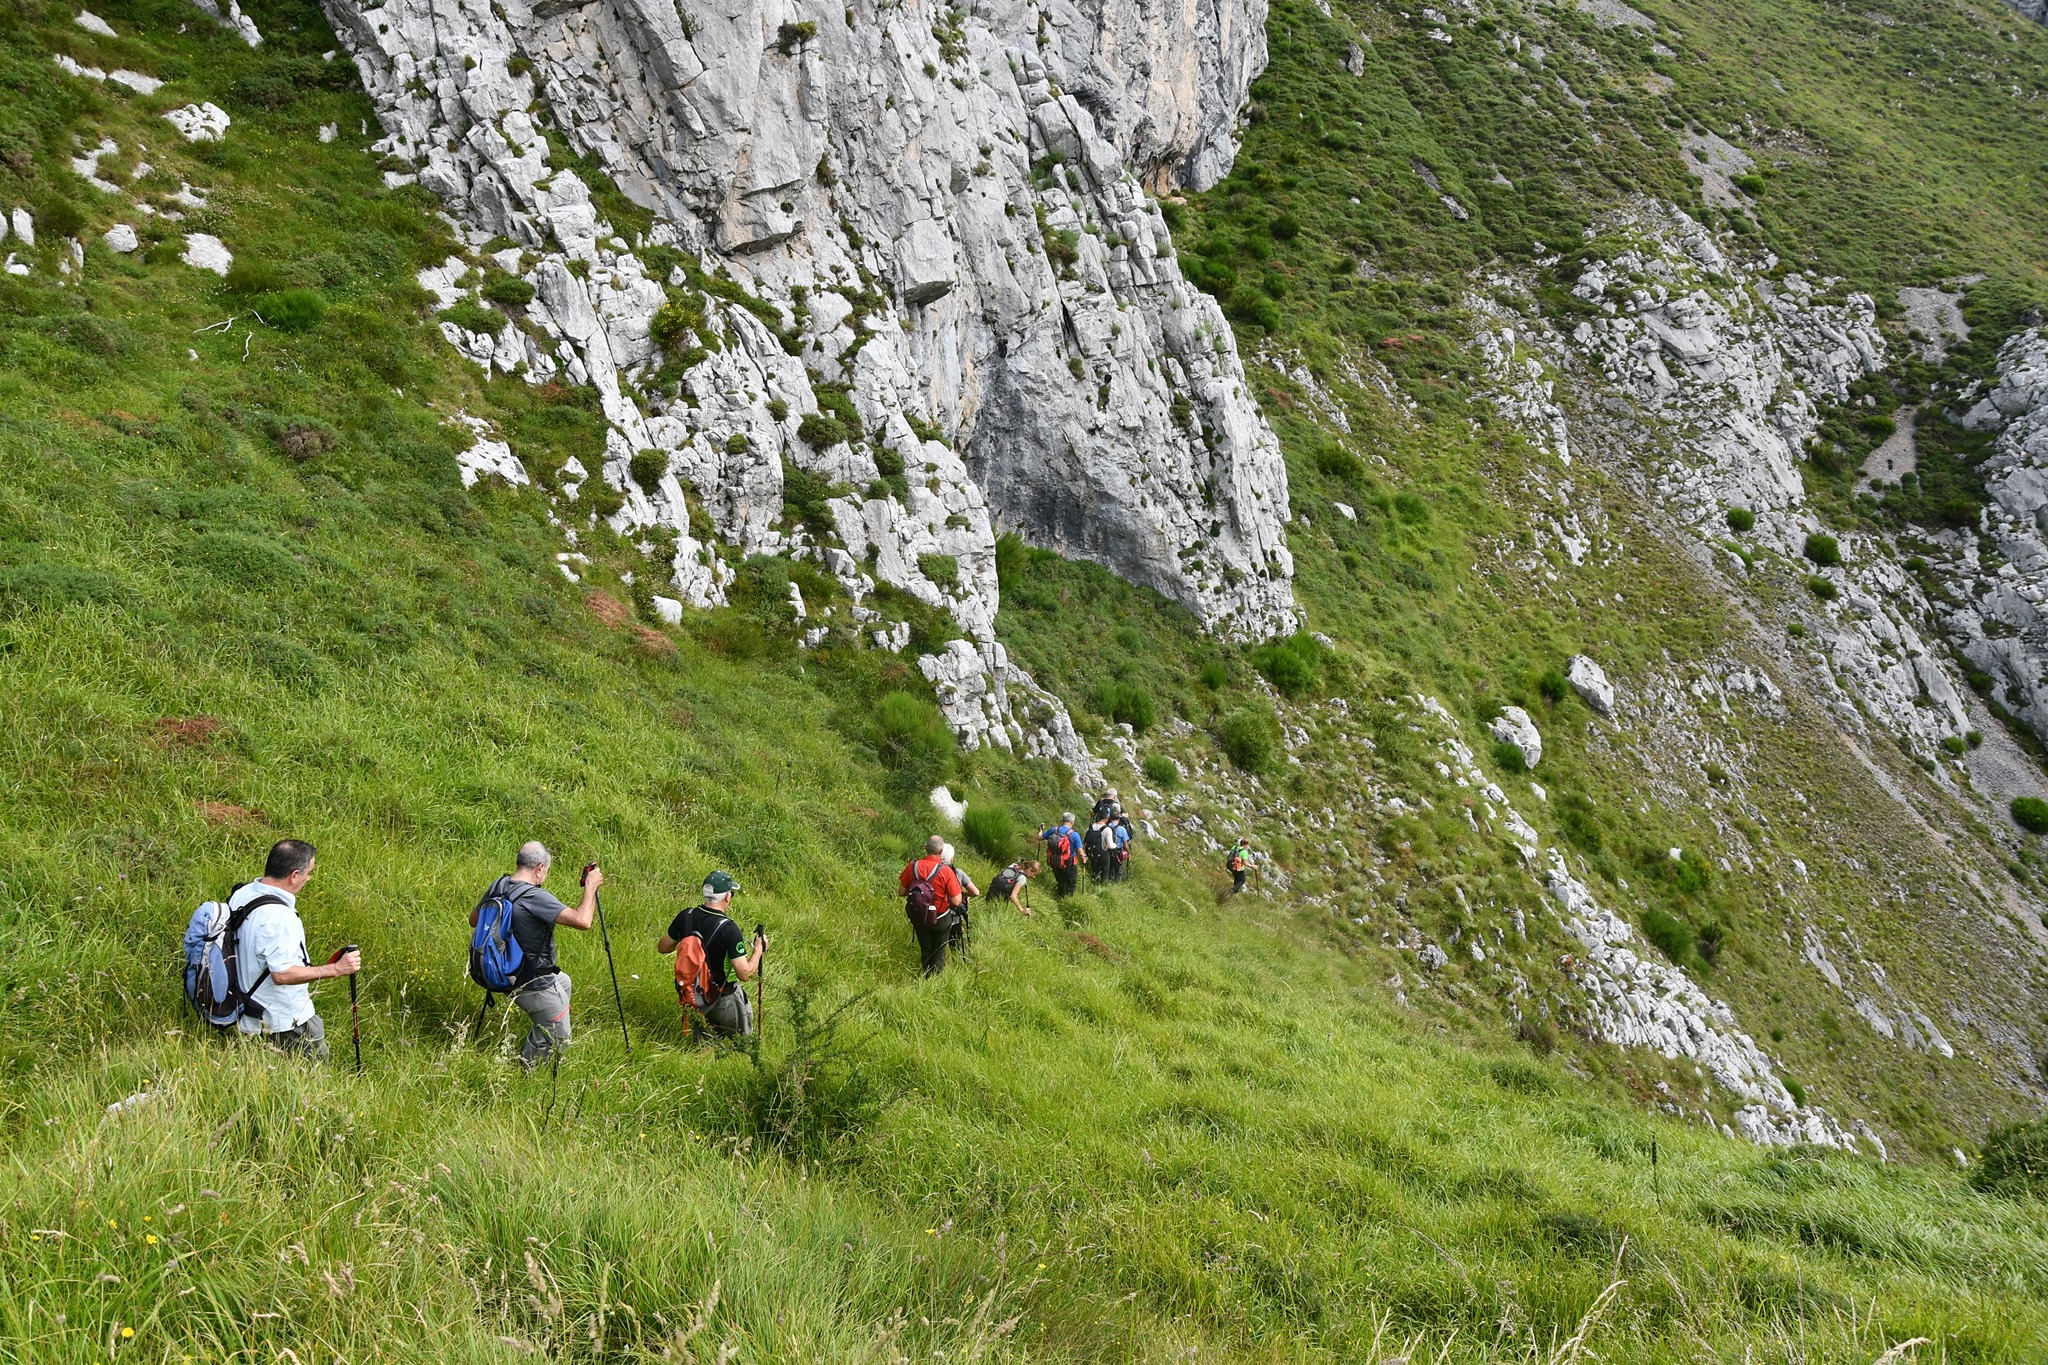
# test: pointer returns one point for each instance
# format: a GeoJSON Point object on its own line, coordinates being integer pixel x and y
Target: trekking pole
{"type": "Point", "coordinates": [760, 988]}
{"type": "Point", "coordinates": [478, 1030]}
{"type": "Point", "coordinates": [355, 1018]}
{"type": "Point", "coordinates": [604, 934]}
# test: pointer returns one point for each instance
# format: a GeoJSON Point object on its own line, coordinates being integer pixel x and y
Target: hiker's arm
{"type": "Point", "coordinates": [348, 964]}
{"type": "Point", "coordinates": [584, 913]}
{"type": "Point", "coordinates": [748, 967]}
{"type": "Point", "coordinates": [665, 945]}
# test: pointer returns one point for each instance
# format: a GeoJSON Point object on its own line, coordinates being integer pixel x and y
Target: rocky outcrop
{"type": "Point", "coordinates": [945, 215]}
{"type": "Point", "coordinates": [1997, 609]}
{"type": "Point", "coordinates": [1514, 727]}
{"type": "Point", "coordinates": [991, 702]}
{"type": "Point", "coordinates": [1729, 360]}
{"type": "Point", "coordinates": [1589, 680]}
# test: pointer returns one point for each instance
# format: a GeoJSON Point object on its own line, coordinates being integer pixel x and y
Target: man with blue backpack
{"type": "Point", "coordinates": [1063, 853]}
{"type": "Point", "coordinates": [246, 965]}
{"type": "Point", "coordinates": [512, 946]}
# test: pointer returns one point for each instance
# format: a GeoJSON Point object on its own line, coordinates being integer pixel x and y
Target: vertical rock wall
{"type": "Point", "coordinates": [945, 213]}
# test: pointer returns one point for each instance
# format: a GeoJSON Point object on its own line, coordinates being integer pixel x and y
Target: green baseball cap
{"type": "Point", "coordinates": [720, 884]}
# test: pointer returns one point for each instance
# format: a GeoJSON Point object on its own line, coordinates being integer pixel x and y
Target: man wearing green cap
{"type": "Point", "coordinates": [712, 960]}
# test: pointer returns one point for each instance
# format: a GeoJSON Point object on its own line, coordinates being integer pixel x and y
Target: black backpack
{"type": "Point", "coordinates": [1095, 843]}
{"type": "Point", "coordinates": [1005, 882]}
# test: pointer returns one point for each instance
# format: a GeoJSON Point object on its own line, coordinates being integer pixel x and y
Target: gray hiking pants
{"type": "Point", "coordinates": [546, 1002]}
{"type": "Point", "coordinates": [307, 1040]}
{"type": "Point", "coordinates": [731, 1015]}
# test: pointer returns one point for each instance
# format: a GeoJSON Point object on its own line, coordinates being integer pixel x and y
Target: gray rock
{"type": "Point", "coordinates": [120, 239]}
{"type": "Point", "coordinates": [1513, 726]}
{"type": "Point", "coordinates": [1589, 680]}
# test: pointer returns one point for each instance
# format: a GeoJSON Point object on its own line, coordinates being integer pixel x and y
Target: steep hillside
{"type": "Point", "coordinates": [691, 438]}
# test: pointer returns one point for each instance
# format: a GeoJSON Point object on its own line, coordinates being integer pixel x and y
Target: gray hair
{"type": "Point", "coordinates": [935, 844]}
{"type": "Point", "coordinates": [534, 854]}
{"type": "Point", "coordinates": [1067, 818]}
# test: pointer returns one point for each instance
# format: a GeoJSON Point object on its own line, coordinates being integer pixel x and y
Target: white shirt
{"type": "Point", "coordinates": [272, 938]}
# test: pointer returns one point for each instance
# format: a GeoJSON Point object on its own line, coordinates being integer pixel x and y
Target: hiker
{"type": "Point", "coordinates": [968, 891]}
{"type": "Point", "coordinates": [1063, 851]}
{"type": "Point", "coordinates": [1107, 806]}
{"type": "Point", "coordinates": [712, 961]}
{"type": "Point", "coordinates": [1011, 883]}
{"type": "Point", "coordinates": [270, 953]}
{"type": "Point", "coordinates": [539, 987]}
{"type": "Point", "coordinates": [1100, 846]}
{"type": "Point", "coordinates": [934, 904]}
{"type": "Point", "coordinates": [1239, 862]}
{"type": "Point", "coordinates": [1119, 835]}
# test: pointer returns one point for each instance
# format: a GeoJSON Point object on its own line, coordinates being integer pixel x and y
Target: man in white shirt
{"type": "Point", "coordinates": [270, 951]}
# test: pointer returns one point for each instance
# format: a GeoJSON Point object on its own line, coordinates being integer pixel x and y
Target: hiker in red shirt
{"type": "Point", "coordinates": [932, 902]}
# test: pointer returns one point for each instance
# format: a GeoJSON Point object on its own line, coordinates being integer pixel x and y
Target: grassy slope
{"type": "Point", "coordinates": [1211, 1130]}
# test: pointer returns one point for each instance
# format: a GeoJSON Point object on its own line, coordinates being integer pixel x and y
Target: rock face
{"type": "Point", "coordinates": [1728, 368]}
{"type": "Point", "coordinates": [1996, 614]}
{"type": "Point", "coordinates": [1513, 726]}
{"type": "Point", "coordinates": [944, 215]}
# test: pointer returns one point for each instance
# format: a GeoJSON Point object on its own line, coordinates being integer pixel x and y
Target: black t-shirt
{"type": "Point", "coordinates": [534, 910]}
{"type": "Point", "coordinates": [723, 940]}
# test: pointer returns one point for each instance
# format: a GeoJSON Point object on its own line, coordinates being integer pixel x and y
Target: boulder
{"type": "Point", "coordinates": [1513, 726]}
{"type": "Point", "coordinates": [120, 239]}
{"type": "Point", "coordinates": [204, 252]}
{"type": "Point", "coordinates": [206, 122]}
{"type": "Point", "coordinates": [1589, 680]}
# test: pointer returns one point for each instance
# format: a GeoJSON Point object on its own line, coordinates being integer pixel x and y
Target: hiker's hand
{"type": "Point", "coordinates": [594, 878]}
{"type": "Point", "coordinates": [761, 942]}
{"type": "Point", "coordinates": [348, 964]}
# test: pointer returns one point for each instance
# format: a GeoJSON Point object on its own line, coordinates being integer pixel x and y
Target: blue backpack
{"type": "Point", "coordinates": [213, 981]}
{"type": "Point", "coordinates": [494, 954]}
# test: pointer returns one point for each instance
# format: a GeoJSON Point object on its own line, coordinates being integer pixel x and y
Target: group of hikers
{"type": "Point", "coordinates": [247, 968]}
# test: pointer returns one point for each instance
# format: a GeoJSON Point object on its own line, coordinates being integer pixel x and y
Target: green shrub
{"type": "Point", "coordinates": [604, 499]}
{"type": "Point", "coordinates": [1973, 738]}
{"type": "Point", "coordinates": [241, 559]}
{"type": "Point", "coordinates": [912, 740]}
{"type": "Point", "coordinates": [1553, 686]}
{"type": "Point", "coordinates": [1013, 557]}
{"type": "Point", "coordinates": [821, 432]}
{"type": "Point", "coordinates": [2030, 813]}
{"type": "Point", "coordinates": [2015, 1160]}
{"type": "Point", "coordinates": [1741, 520]}
{"type": "Point", "coordinates": [1250, 737]}
{"type": "Point", "coordinates": [1334, 460]}
{"type": "Point", "coordinates": [1411, 508]}
{"type": "Point", "coordinates": [1509, 758]}
{"type": "Point", "coordinates": [1956, 745]}
{"type": "Point", "coordinates": [1127, 704]}
{"type": "Point", "coordinates": [1750, 183]}
{"type": "Point", "coordinates": [806, 499]}
{"type": "Point", "coordinates": [44, 586]}
{"type": "Point", "coordinates": [508, 290]}
{"type": "Point", "coordinates": [1161, 771]}
{"type": "Point", "coordinates": [943, 570]}
{"type": "Point", "coordinates": [790, 37]}
{"type": "Point", "coordinates": [1822, 588]}
{"type": "Point", "coordinates": [294, 310]}
{"type": "Point", "coordinates": [738, 443]}
{"type": "Point", "coordinates": [1796, 1090]}
{"type": "Point", "coordinates": [989, 831]}
{"type": "Point", "coordinates": [250, 277]}
{"type": "Point", "coordinates": [648, 468]}
{"type": "Point", "coordinates": [1581, 825]}
{"type": "Point", "coordinates": [472, 316]}
{"type": "Point", "coordinates": [1670, 933]}
{"type": "Point", "coordinates": [1823, 550]}
{"type": "Point", "coordinates": [1289, 664]}
{"type": "Point", "coordinates": [1980, 682]}
{"type": "Point", "coordinates": [59, 218]}
{"type": "Point", "coordinates": [1213, 675]}
{"type": "Point", "coordinates": [676, 325]}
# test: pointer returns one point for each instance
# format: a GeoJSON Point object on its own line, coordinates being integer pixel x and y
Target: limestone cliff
{"type": "Point", "coordinates": [943, 216]}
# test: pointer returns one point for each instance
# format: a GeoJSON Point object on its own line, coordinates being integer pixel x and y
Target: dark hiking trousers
{"type": "Point", "coordinates": [1064, 878]}
{"type": "Point", "coordinates": [933, 942]}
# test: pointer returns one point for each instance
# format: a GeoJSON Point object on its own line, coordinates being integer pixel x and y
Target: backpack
{"type": "Point", "coordinates": [921, 901]}
{"type": "Point", "coordinates": [1096, 844]}
{"type": "Point", "coordinates": [1005, 882]}
{"type": "Point", "coordinates": [1060, 847]}
{"type": "Point", "coordinates": [1235, 862]}
{"type": "Point", "coordinates": [212, 972]}
{"type": "Point", "coordinates": [695, 989]}
{"type": "Point", "coordinates": [494, 954]}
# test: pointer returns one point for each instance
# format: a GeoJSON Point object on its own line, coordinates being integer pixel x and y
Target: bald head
{"type": "Point", "coordinates": [534, 855]}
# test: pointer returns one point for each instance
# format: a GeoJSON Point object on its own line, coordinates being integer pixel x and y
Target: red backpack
{"type": "Point", "coordinates": [1060, 848]}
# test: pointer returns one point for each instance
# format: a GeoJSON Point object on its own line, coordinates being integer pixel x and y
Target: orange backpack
{"type": "Point", "coordinates": [694, 988]}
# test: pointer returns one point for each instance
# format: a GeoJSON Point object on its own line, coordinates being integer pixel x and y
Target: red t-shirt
{"type": "Point", "coordinates": [945, 886]}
